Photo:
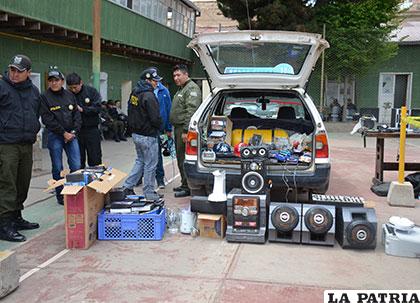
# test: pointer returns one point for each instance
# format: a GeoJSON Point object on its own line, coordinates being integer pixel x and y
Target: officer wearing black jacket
{"type": "Point", "coordinates": [63, 121]}
{"type": "Point", "coordinates": [19, 125]}
{"type": "Point", "coordinates": [89, 105]}
{"type": "Point", "coordinates": [144, 121]}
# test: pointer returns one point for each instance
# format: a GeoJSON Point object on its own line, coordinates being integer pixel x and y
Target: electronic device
{"type": "Point", "coordinates": [116, 194]}
{"type": "Point", "coordinates": [80, 177]}
{"type": "Point", "coordinates": [201, 204]}
{"type": "Point", "coordinates": [285, 222]}
{"type": "Point", "coordinates": [208, 156]}
{"type": "Point", "coordinates": [252, 152]}
{"type": "Point", "coordinates": [246, 217]}
{"type": "Point", "coordinates": [356, 227]}
{"type": "Point", "coordinates": [318, 224]}
{"type": "Point", "coordinates": [253, 173]}
{"type": "Point", "coordinates": [401, 237]}
{"type": "Point", "coordinates": [338, 201]}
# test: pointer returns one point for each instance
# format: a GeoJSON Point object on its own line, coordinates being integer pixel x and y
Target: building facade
{"type": "Point", "coordinates": [134, 35]}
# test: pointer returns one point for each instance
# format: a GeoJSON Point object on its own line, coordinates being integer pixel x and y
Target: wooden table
{"type": "Point", "coordinates": [380, 165]}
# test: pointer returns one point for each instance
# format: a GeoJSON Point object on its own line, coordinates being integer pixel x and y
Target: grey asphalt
{"type": "Point", "coordinates": [181, 268]}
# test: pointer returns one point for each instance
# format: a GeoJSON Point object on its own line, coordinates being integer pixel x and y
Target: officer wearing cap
{"type": "Point", "coordinates": [144, 121]}
{"type": "Point", "coordinates": [62, 119]}
{"type": "Point", "coordinates": [89, 105]}
{"type": "Point", "coordinates": [185, 102]}
{"type": "Point", "coordinates": [19, 125]}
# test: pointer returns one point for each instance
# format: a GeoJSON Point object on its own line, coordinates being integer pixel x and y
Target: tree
{"type": "Point", "coordinates": [263, 14]}
{"type": "Point", "coordinates": [358, 31]}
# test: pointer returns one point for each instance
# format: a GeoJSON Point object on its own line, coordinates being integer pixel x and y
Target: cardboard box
{"type": "Point", "coordinates": [82, 205]}
{"type": "Point", "coordinates": [222, 123]}
{"type": "Point", "coordinates": [211, 226]}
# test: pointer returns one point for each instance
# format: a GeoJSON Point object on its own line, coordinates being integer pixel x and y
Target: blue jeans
{"type": "Point", "coordinates": [56, 146]}
{"type": "Point", "coordinates": [146, 162]}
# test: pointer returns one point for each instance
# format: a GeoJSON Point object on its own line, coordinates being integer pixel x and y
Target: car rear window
{"type": "Point", "coordinates": [252, 57]}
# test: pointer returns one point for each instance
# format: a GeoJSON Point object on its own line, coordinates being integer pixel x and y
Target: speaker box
{"type": "Point", "coordinates": [356, 227]}
{"type": "Point", "coordinates": [254, 173]}
{"type": "Point", "coordinates": [285, 222]}
{"type": "Point", "coordinates": [318, 224]}
{"type": "Point", "coordinates": [246, 217]}
{"type": "Point", "coordinates": [254, 152]}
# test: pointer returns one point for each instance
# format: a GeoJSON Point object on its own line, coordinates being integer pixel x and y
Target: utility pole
{"type": "Point", "coordinates": [96, 43]}
{"type": "Point", "coordinates": [321, 97]}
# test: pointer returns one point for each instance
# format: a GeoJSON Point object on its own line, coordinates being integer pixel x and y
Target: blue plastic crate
{"type": "Point", "coordinates": [150, 226]}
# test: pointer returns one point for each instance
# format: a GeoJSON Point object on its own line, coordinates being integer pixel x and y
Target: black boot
{"type": "Point", "coordinates": [22, 224]}
{"type": "Point", "coordinates": [8, 231]}
{"type": "Point", "coordinates": [182, 193]}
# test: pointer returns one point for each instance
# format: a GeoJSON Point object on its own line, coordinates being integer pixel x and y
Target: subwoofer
{"type": "Point", "coordinates": [356, 227]}
{"type": "Point", "coordinates": [285, 222]}
{"type": "Point", "coordinates": [246, 217]}
{"type": "Point", "coordinates": [254, 174]}
{"type": "Point", "coordinates": [318, 226]}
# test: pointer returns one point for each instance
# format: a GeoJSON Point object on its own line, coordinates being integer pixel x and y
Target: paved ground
{"type": "Point", "coordinates": [181, 268]}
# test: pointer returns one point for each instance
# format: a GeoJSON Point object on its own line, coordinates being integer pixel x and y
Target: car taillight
{"type": "Point", "coordinates": [321, 146]}
{"type": "Point", "coordinates": [192, 143]}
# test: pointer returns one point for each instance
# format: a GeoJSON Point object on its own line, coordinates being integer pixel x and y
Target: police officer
{"type": "Point", "coordinates": [62, 119]}
{"type": "Point", "coordinates": [145, 122]}
{"type": "Point", "coordinates": [185, 103]}
{"type": "Point", "coordinates": [89, 105]}
{"type": "Point", "coordinates": [19, 124]}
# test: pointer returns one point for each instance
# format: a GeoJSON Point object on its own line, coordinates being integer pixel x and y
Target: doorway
{"type": "Point", "coordinates": [394, 92]}
{"type": "Point", "coordinates": [126, 87]}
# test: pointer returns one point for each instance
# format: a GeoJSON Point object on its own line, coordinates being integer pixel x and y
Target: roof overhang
{"type": "Point", "coordinates": [37, 30]}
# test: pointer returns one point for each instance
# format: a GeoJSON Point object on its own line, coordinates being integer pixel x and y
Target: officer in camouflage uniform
{"type": "Point", "coordinates": [185, 102]}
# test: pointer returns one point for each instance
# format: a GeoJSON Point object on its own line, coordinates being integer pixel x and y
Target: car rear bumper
{"type": "Point", "coordinates": [316, 181]}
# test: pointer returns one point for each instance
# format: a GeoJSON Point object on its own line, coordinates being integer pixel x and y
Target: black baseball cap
{"type": "Point", "coordinates": [21, 63]}
{"type": "Point", "coordinates": [54, 72]}
{"type": "Point", "coordinates": [150, 73]}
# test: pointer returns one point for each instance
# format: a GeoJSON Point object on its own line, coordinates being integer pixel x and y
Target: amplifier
{"type": "Point", "coordinates": [246, 217]}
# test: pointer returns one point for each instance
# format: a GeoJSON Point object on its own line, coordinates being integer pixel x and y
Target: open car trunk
{"type": "Point", "coordinates": [277, 120]}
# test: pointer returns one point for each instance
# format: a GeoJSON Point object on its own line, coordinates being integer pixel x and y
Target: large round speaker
{"type": "Point", "coordinates": [285, 218]}
{"type": "Point", "coordinates": [252, 182]}
{"type": "Point", "coordinates": [318, 220]}
{"type": "Point", "coordinates": [360, 234]}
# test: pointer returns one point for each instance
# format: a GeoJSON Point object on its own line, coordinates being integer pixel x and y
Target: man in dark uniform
{"type": "Point", "coordinates": [145, 122]}
{"type": "Point", "coordinates": [89, 105]}
{"type": "Point", "coordinates": [63, 121]}
{"type": "Point", "coordinates": [19, 124]}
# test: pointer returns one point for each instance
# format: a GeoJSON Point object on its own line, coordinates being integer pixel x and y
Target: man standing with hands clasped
{"type": "Point", "coordinates": [185, 102]}
{"type": "Point", "coordinates": [19, 124]}
{"type": "Point", "coordinates": [63, 121]}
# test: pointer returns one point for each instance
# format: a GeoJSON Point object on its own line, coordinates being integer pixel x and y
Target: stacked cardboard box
{"type": "Point", "coordinates": [81, 206]}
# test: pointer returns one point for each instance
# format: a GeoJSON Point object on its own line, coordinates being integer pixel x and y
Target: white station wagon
{"type": "Point", "coordinates": [258, 94]}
